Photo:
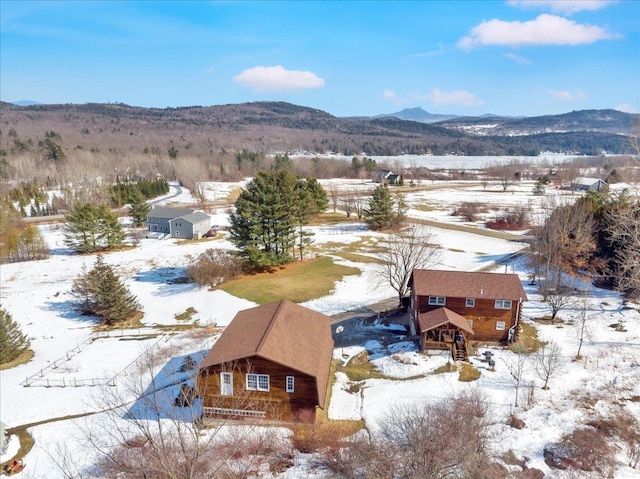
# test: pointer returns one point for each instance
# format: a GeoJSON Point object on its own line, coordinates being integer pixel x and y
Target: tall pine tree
{"type": "Point", "coordinates": [384, 211]}
{"type": "Point", "coordinates": [90, 228]}
{"type": "Point", "coordinates": [267, 213]}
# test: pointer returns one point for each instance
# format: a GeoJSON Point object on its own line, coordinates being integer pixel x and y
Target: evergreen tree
{"type": "Point", "coordinates": [90, 228]}
{"type": "Point", "coordinates": [101, 293]}
{"type": "Point", "coordinates": [138, 210]}
{"type": "Point", "coordinates": [267, 213]}
{"type": "Point", "coordinates": [12, 341]}
{"type": "Point", "coordinates": [384, 211]}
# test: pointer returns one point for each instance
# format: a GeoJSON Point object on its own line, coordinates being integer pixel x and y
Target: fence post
{"type": "Point", "coordinates": [41, 373]}
{"type": "Point", "coordinates": [55, 365]}
{"type": "Point", "coordinates": [63, 383]}
{"type": "Point", "coordinates": [48, 382]}
{"type": "Point", "coordinates": [67, 353]}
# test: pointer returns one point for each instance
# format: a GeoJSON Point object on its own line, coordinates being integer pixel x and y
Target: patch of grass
{"type": "Point", "coordinates": [298, 282]}
{"type": "Point", "coordinates": [358, 258]}
{"type": "Point", "coordinates": [468, 373]}
{"type": "Point", "coordinates": [446, 368]}
{"type": "Point", "coordinates": [528, 339]}
{"type": "Point", "coordinates": [133, 322]}
{"type": "Point", "coordinates": [361, 372]}
{"type": "Point", "coordinates": [186, 315]}
{"type": "Point", "coordinates": [23, 358]}
{"type": "Point", "coordinates": [330, 219]}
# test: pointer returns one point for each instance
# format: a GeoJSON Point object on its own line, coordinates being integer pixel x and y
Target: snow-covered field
{"type": "Point", "coordinates": [37, 295]}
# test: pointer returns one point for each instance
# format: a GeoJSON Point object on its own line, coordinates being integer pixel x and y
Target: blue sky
{"type": "Point", "coordinates": [512, 57]}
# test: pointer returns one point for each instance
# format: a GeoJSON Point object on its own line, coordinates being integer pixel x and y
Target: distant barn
{"type": "Point", "coordinates": [587, 184]}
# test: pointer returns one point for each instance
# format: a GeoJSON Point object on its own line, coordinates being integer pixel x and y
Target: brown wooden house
{"type": "Point", "coordinates": [449, 308]}
{"type": "Point", "coordinates": [272, 361]}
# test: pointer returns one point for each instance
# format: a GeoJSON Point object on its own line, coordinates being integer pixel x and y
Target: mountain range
{"type": "Point", "coordinates": [285, 127]}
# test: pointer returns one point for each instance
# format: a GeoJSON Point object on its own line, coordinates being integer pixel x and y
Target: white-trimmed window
{"type": "Point", "coordinates": [503, 304]}
{"type": "Point", "coordinates": [500, 325]}
{"type": "Point", "coordinates": [290, 386]}
{"type": "Point", "coordinates": [226, 384]}
{"type": "Point", "coordinates": [437, 300]}
{"type": "Point", "coordinates": [470, 302]}
{"type": "Point", "coordinates": [257, 382]}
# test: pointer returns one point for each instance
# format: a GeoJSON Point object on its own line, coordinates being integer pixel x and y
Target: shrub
{"type": "Point", "coordinates": [468, 373]}
{"type": "Point", "coordinates": [583, 449]}
{"type": "Point", "coordinates": [213, 267]}
{"type": "Point", "coordinates": [468, 210]}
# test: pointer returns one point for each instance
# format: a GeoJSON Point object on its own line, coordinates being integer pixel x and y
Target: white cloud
{"type": "Point", "coordinates": [517, 58]}
{"type": "Point", "coordinates": [544, 30]}
{"type": "Point", "coordinates": [457, 97]}
{"type": "Point", "coordinates": [276, 78]}
{"type": "Point", "coordinates": [564, 95]}
{"type": "Point", "coordinates": [562, 6]}
{"type": "Point", "coordinates": [626, 108]}
{"type": "Point", "coordinates": [390, 95]}
{"type": "Point", "coordinates": [210, 70]}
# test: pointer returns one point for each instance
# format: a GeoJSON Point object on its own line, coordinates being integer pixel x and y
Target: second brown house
{"type": "Point", "coordinates": [272, 361]}
{"type": "Point", "coordinates": [449, 308]}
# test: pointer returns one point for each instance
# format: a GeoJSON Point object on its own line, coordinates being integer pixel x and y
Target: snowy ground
{"type": "Point", "coordinates": [37, 295]}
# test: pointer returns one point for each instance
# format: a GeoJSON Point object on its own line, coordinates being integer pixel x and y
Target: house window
{"type": "Point", "coordinates": [437, 300]}
{"type": "Point", "coordinates": [503, 304]}
{"type": "Point", "coordinates": [257, 382]}
{"type": "Point", "coordinates": [500, 325]}
{"type": "Point", "coordinates": [226, 384]}
{"type": "Point", "coordinates": [470, 303]}
{"type": "Point", "coordinates": [290, 384]}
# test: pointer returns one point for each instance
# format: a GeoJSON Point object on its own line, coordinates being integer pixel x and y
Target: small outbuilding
{"type": "Point", "coordinates": [588, 184]}
{"type": "Point", "coordinates": [272, 361]}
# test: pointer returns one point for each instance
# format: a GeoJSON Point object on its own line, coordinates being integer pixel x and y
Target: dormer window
{"type": "Point", "coordinates": [470, 302]}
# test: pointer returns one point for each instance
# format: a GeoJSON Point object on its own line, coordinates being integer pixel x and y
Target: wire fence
{"type": "Point", "coordinates": [39, 379]}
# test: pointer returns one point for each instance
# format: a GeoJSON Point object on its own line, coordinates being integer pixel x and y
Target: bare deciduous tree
{"type": "Point", "coordinates": [159, 434]}
{"type": "Point", "coordinates": [624, 231]}
{"type": "Point", "coordinates": [547, 362]}
{"type": "Point", "coordinates": [558, 298]}
{"type": "Point", "coordinates": [563, 244]}
{"type": "Point", "coordinates": [437, 441]}
{"type": "Point", "coordinates": [581, 325]}
{"type": "Point", "coordinates": [412, 248]}
{"type": "Point", "coordinates": [516, 366]}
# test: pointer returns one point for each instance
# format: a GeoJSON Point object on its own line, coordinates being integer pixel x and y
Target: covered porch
{"type": "Point", "coordinates": [445, 329]}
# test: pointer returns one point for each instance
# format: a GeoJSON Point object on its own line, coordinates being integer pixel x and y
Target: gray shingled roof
{"type": "Point", "coordinates": [196, 217]}
{"type": "Point", "coordinates": [168, 212]}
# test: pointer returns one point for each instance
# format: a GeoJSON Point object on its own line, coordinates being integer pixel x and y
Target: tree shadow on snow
{"type": "Point", "coordinates": [172, 280]}
{"type": "Point", "coordinates": [68, 310]}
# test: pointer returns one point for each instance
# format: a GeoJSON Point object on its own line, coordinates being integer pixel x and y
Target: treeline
{"type": "Point", "coordinates": [127, 192]}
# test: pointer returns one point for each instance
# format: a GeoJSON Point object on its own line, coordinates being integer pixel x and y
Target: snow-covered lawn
{"type": "Point", "coordinates": [37, 295]}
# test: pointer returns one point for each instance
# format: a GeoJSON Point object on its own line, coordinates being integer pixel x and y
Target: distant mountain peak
{"type": "Point", "coordinates": [419, 114]}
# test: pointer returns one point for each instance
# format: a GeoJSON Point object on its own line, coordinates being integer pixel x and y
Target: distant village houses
{"type": "Point", "coordinates": [182, 223]}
